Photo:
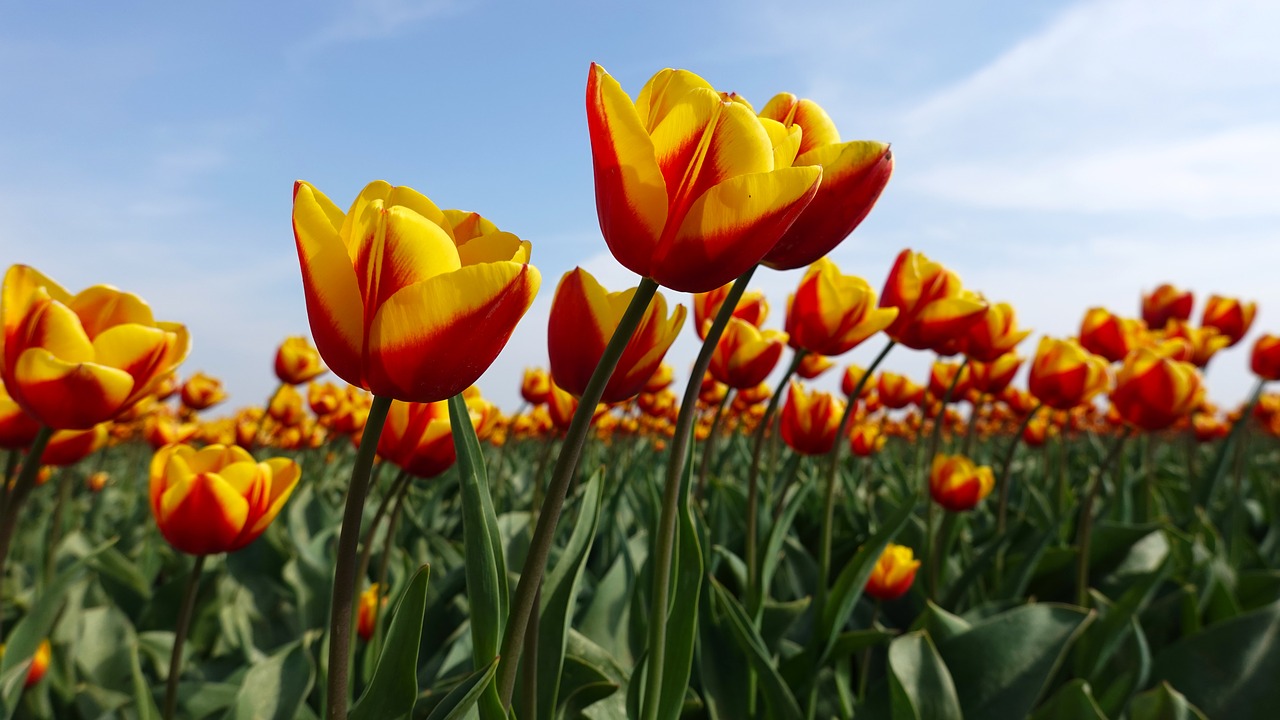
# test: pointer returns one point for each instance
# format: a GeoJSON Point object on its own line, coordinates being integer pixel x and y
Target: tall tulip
{"type": "Point", "coordinates": [1231, 317]}
{"type": "Point", "coordinates": [831, 313]}
{"type": "Point", "coordinates": [995, 335]}
{"type": "Point", "coordinates": [688, 191]}
{"type": "Point", "coordinates": [584, 315]}
{"type": "Point", "coordinates": [933, 307]}
{"type": "Point", "coordinates": [1166, 303]}
{"type": "Point", "coordinates": [1064, 374]}
{"type": "Point", "coordinates": [1108, 335]}
{"type": "Point", "coordinates": [1153, 391]}
{"type": "Point", "coordinates": [745, 355]}
{"type": "Point", "coordinates": [810, 420]}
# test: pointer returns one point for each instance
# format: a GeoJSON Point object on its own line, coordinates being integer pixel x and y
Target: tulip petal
{"type": "Point", "coordinates": [69, 396]}
{"type": "Point", "coordinates": [329, 284]}
{"type": "Point", "coordinates": [284, 474]}
{"type": "Point", "coordinates": [102, 306]}
{"type": "Point", "coordinates": [467, 226]}
{"type": "Point", "coordinates": [494, 247]}
{"type": "Point", "coordinates": [664, 91]}
{"type": "Point", "coordinates": [21, 283]}
{"type": "Point", "coordinates": [136, 349]}
{"type": "Point", "coordinates": [631, 196]}
{"type": "Point", "coordinates": [56, 328]}
{"type": "Point", "coordinates": [732, 226]}
{"type": "Point", "coordinates": [430, 341]}
{"type": "Point", "coordinates": [202, 514]}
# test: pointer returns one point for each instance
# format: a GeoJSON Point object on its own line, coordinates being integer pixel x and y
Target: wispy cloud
{"type": "Point", "coordinates": [362, 20]}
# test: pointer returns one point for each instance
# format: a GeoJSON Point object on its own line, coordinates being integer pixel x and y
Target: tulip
{"type": "Point", "coordinates": [97, 481]}
{"type": "Point", "coordinates": [933, 307]}
{"type": "Point", "coordinates": [584, 317]}
{"type": "Point", "coordinates": [405, 300]}
{"type": "Point", "coordinates": [201, 392]}
{"type": "Point", "coordinates": [416, 438]}
{"type": "Point", "coordinates": [943, 377]}
{"type": "Point", "coordinates": [993, 377]}
{"type": "Point", "coordinates": [866, 440]}
{"type": "Point", "coordinates": [367, 611]}
{"type": "Point", "coordinates": [160, 429]}
{"type": "Point", "coordinates": [561, 405]}
{"type": "Point", "coordinates": [745, 355]}
{"type": "Point", "coordinates": [995, 335]}
{"type": "Point", "coordinates": [810, 420]}
{"type": "Point", "coordinates": [752, 307]}
{"type": "Point", "coordinates": [957, 484]}
{"type": "Point", "coordinates": [1230, 316]}
{"type": "Point", "coordinates": [72, 362]}
{"type": "Point", "coordinates": [812, 365]}
{"type": "Point", "coordinates": [286, 407]}
{"type": "Point", "coordinates": [1265, 358]}
{"type": "Point", "coordinates": [535, 386]}
{"type": "Point", "coordinates": [831, 313]}
{"type": "Point", "coordinates": [853, 176]}
{"type": "Point", "coordinates": [324, 399]}
{"type": "Point", "coordinates": [1064, 374]}
{"type": "Point", "coordinates": [216, 499]}
{"type": "Point", "coordinates": [748, 397]}
{"type": "Point", "coordinates": [297, 361]}
{"type": "Point", "coordinates": [165, 387]}
{"type": "Point", "coordinates": [1110, 336]}
{"type": "Point", "coordinates": [1201, 343]}
{"type": "Point", "coordinates": [68, 447]}
{"type": "Point", "coordinates": [39, 664]}
{"type": "Point", "coordinates": [1208, 428]}
{"type": "Point", "coordinates": [661, 379]}
{"type": "Point", "coordinates": [688, 189]}
{"type": "Point", "coordinates": [898, 391]}
{"type": "Point", "coordinates": [1166, 303]}
{"type": "Point", "coordinates": [1153, 391]}
{"type": "Point", "coordinates": [893, 573]}
{"type": "Point", "coordinates": [1037, 431]}
{"type": "Point", "coordinates": [852, 376]}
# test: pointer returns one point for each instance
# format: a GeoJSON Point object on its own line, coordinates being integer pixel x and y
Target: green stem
{"type": "Point", "coordinates": [366, 547]}
{"type": "Point", "coordinates": [973, 424]}
{"type": "Point", "coordinates": [55, 526]}
{"type": "Point", "coordinates": [22, 487]}
{"type": "Point", "coordinates": [344, 572]}
{"type": "Point", "coordinates": [1007, 463]}
{"type": "Point", "coordinates": [535, 563]}
{"type": "Point", "coordinates": [664, 542]}
{"type": "Point", "coordinates": [864, 666]}
{"type": "Point", "coordinates": [710, 443]}
{"type": "Point", "coordinates": [1085, 529]}
{"type": "Point", "coordinates": [941, 540]}
{"type": "Point", "coordinates": [180, 637]}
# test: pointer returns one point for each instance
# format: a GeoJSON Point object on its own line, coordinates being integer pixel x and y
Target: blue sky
{"type": "Point", "coordinates": [1059, 155]}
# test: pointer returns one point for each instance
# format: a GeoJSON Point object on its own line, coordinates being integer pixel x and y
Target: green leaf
{"type": "Point", "coordinates": [560, 594]}
{"type": "Point", "coordinates": [771, 554]}
{"type": "Point", "coordinates": [1002, 665]}
{"type": "Point", "coordinates": [462, 698]}
{"type": "Point", "coordinates": [682, 621]}
{"type": "Point", "coordinates": [1102, 639]}
{"type": "Point", "coordinates": [940, 624]}
{"type": "Point", "coordinates": [1073, 702]}
{"type": "Point", "coordinates": [1228, 670]}
{"type": "Point", "coordinates": [394, 687]}
{"type": "Point", "coordinates": [920, 685]}
{"type": "Point", "coordinates": [1165, 703]}
{"type": "Point", "coordinates": [144, 703]}
{"type": "Point", "coordinates": [277, 687]}
{"type": "Point", "coordinates": [777, 696]}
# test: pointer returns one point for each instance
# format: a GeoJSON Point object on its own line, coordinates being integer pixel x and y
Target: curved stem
{"type": "Point", "coordinates": [710, 443]}
{"type": "Point", "coordinates": [22, 487]}
{"type": "Point", "coordinates": [1007, 463]}
{"type": "Point", "coordinates": [535, 563]}
{"type": "Point", "coordinates": [180, 637]}
{"type": "Point", "coordinates": [344, 571]}
{"type": "Point", "coordinates": [1085, 529]}
{"type": "Point", "coordinates": [664, 543]}
{"type": "Point", "coordinates": [935, 441]}
{"type": "Point", "coordinates": [366, 549]}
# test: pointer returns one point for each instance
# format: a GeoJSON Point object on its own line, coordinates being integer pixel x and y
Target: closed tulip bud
{"type": "Point", "coordinates": [405, 300]}
{"type": "Point", "coordinates": [746, 355]}
{"type": "Point", "coordinates": [17, 428]}
{"type": "Point", "coordinates": [752, 307]}
{"type": "Point", "coordinates": [297, 361]}
{"type": "Point", "coordinates": [943, 376]}
{"type": "Point", "coordinates": [73, 361]}
{"type": "Point", "coordinates": [660, 380]}
{"type": "Point", "coordinates": [898, 391]}
{"type": "Point", "coordinates": [1064, 374]}
{"type": "Point", "coordinates": [893, 573]}
{"type": "Point", "coordinates": [68, 447]}
{"type": "Point", "coordinates": [812, 365]}
{"type": "Point", "coordinates": [991, 378]}
{"type": "Point", "coordinates": [39, 664]}
{"type": "Point", "coordinates": [933, 307]}
{"type": "Point", "coordinates": [957, 484]}
{"type": "Point", "coordinates": [417, 438]}
{"type": "Point", "coordinates": [688, 189]}
{"type": "Point", "coordinates": [1200, 344]}
{"type": "Point", "coordinates": [1230, 316]}
{"type": "Point", "coordinates": [201, 392]}
{"type": "Point", "coordinates": [1166, 303]}
{"type": "Point", "coordinates": [853, 176]}
{"type": "Point", "coordinates": [995, 335]}
{"type": "Point", "coordinates": [831, 313]}
{"type": "Point", "coordinates": [852, 376]}
{"type": "Point", "coordinates": [1110, 336]}
{"type": "Point", "coordinates": [810, 420]}
{"type": "Point", "coordinates": [535, 386]}
{"type": "Point", "coordinates": [286, 407]}
{"type": "Point", "coordinates": [1153, 391]}
{"type": "Point", "coordinates": [368, 608]}
{"type": "Point", "coordinates": [583, 318]}
{"type": "Point", "coordinates": [866, 440]}
{"type": "Point", "coordinates": [1265, 359]}
{"type": "Point", "coordinates": [561, 405]}
{"type": "Point", "coordinates": [217, 499]}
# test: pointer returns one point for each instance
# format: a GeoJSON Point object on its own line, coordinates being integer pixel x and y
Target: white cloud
{"type": "Point", "coordinates": [360, 20]}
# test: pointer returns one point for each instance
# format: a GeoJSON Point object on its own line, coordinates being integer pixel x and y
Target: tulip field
{"type": "Point", "coordinates": [1081, 533]}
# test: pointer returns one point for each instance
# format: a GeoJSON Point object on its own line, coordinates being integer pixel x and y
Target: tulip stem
{"type": "Point", "coordinates": [664, 542]}
{"type": "Point", "coordinates": [709, 444]}
{"type": "Point", "coordinates": [366, 551]}
{"type": "Point", "coordinates": [344, 572]}
{"type": "Point", "coordinates": [22, 487]}
{"type": "Point", "coordinates": [535, 564]}
{"type": "Point", "coordinates": [1006, 464]}
{"type": "Point", "coordinates": [1085, 528]}
{"type": "Point", "coordinates": [180, 636]}
{"type": "Point", "coordinates": [973, 424]}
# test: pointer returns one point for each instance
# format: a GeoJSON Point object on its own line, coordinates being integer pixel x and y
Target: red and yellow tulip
{"type": "Point", "coordinates": [1064, 374]}
{"type": "Point", "coordinates": [995, 335]}
{"type": "Point", "coordinates": [417, 438]}
{"type": "Point", "coordinates": [831, 313]}
{"type": "Point", "coordinates": [957, 484]}
{"type": "Point", "coordinates": [297, 361]}
{"type": "Point", "coordinates": [898, 391]}
{"type": "Point", "coordinates": [866, 440]}
{"type": "Point", "coordinates": [201, 392]}
{"type": "Point", "coordinates": [934, 309]}
{"type": "Point", "coordinates": [810, 420]}
{"type": "Point", "coordinates": [1265, 358]}
{"type": "Point", "coordinates": [746, 355]}
{"type": "Point", "coordinates": [993, 377]}
{"type": "Point", "coordinates": [1166, 303]}
{"type": "Point", "coordinates": [1230, 316]}
{"type": "Point", "coordinates": [1108, 335]}
{"type": "Point", "coordinates": [1154, 391]}
{"type": "Point", "coordinates": [812, 365]}
{"type": "Point", "coordinates": [752, 307]}
{"type": "Point", "coordinates": [1202, 343]}
{"type": "Point", "coordinates": [893, 573]}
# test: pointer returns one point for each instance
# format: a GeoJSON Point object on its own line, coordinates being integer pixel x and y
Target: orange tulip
{"type": "Point", "coordinates": [324, 398]}
{"type": "Point", "coordinates": [898, 391]}
{"type": "Point", "coordinates": [1230, 316]}
{"type": "Point", "coordinates": [1108, 335]}
{"type": "Point", "coordinates": [866, 440]}
{"type": "Point", "coordinates": [417, 438]}
{"type": "Point", "coordinates": [831, 313]}
{"type": "Point", "coordinates": [1038, 431]}
{"type": "Point", "coordinates": [161, 428]}
{"type": "Point", "coordinates": [406, 300]}
{"type": "Point", "coordinates": [747, 397]}
{"type": "Point", "coordinates": [933, 307]}
{"type": "Point", "coordinates": [957, 484]}
{"type": "Point", "coordinates": [688, 189]}
{"type": "Point", "coordinates": [1201, 343]}
{"type": "Point", "coordinates": [995, 335]}
{"type": "Point", "coordinates": [745, 355]}
{"type": "Point", "coordinates": [993, 377]}
{"type": "Point", "coordinates": [1064, 374]}
{"type": "Point", "coordinates": [812, 365]}
{"type": "Point", "coordinates": [752, 307]}
{"type": "Point", "coordinates": [217, 499]}
{"type": "Point", "coordinates": [583, 318]}
{"type": "Point", "coordinates": [201, 392]}
{"type": "Point", "coordinates": [810, 420]}
{"type": "Point", "coordinates": [1153, 391]}
{"type": "Point", "coordinates": [1265, 358]}
{"type": "Point", "coordinates": [893, 573]}
{"type": "Point", "coordinates": [710, 390]}
{"type": "Point", "coordinates": [853, 176]}
{"type": "Point", "coordinates": [297, 361]}
{"type": "Point", "coordinates": [1166, 303]}
{"type": "Point", "coordinates": [73, 361]}
{"type": "Point", "coordinates": [68, 447]}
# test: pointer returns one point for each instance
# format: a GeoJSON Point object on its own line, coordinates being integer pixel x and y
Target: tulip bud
{"type": "Point", "coordinates": [1153, 391]}
{"type": "Point", "coordinates": [810, 421]}
{"type": "Point", "coordinates": [1265, 359]}
{"type": "Point", "coordinates": [1064, 374]}
{"type": "Point", "coordinates": [893, 573]}
{"type": "Point", "coordinates": [957, 484]}
{"type": "Point", "coordinates": [1229, 316]}
{"type": "Point", "coordinates": [297, 361]}
{"type": "Point", "coordinates": [1166, 303]}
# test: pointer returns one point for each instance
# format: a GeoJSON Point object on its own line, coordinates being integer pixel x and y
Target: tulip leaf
{"type": "Point", "coordinates": [459, 701]}
{"type": "Point", "coordinates": [1074, 701]}
{"type": "Point", "coordinates": [920, 685]}
{"type": "Point", "coordinates": [777, 696]}
{"type": "Point", "coordinates": [560, 594]}
{"type": "Point", "coordinates": [1003, 664]}
{"type": "Point", "coordinates": [1163, 703]}
{"type": "Point", "coordinates": [394, 686]}
{"type": "Point", "coordinates": [682, 609]}
{"type": "Point", "coordinates": [772, 551]}
{"type": "Point", "coordinates": [144, 703]}
{"type": "Point", "coordinates": [277, 687]}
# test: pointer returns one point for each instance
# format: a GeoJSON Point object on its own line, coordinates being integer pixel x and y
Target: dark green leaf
{"type": "Point", "coordinates": [394, 687]}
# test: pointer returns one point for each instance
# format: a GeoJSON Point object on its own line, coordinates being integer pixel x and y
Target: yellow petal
{"type": "Point", "coordinates": [329, 283]}
{"type": "Point", "coordinates": [103, 306]}
{"type": "Point", "coordinates": [494, 247]}
{"type": "Point", "coordinates": [69, 396]}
